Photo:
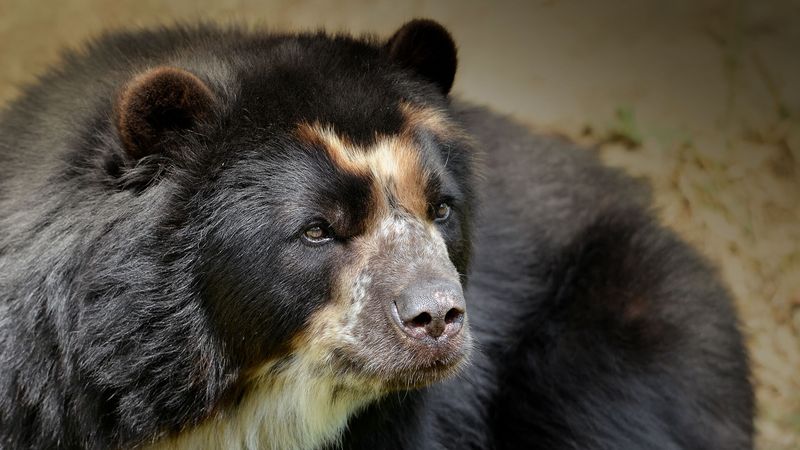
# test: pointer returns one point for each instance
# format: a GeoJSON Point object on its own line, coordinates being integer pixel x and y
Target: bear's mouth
{"type": "Point", "coordinates": [414, 377]}
{"type": "Point", "coordinates": [409, 365]}
{"type": "Point", "coordinates": [423, 376]}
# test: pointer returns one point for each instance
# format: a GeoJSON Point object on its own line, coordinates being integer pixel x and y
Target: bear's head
{"type": "Point", "coordinates": [323, 192]}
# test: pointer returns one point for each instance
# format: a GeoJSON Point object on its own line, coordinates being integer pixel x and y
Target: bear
{"type": "Point", "coordinates": [222, 237]}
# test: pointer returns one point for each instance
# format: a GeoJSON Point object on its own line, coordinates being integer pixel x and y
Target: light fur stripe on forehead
{"type": "Point", "coordinates": [431, 119]}
{"type": "Point", "coordinates": [393, 161]}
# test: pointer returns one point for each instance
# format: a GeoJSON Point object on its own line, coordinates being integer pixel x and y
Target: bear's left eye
{"type": "Point", "coordinates": [317, 235]}
{"type": "Point", "coordinates": [441, 212]}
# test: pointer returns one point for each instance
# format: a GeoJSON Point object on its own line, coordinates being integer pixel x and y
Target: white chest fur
{"type": "Point", "coordinates": [298, 409]}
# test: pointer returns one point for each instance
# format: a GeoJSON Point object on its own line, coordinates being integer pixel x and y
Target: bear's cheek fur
{"type": "Point", "coordinates": [256, 297]}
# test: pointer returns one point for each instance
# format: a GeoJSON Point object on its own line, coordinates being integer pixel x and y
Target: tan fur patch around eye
{"type": "Point", "coordinates": [393, 162]}
{"type": "Point", "coordinates": [340, 150]}
{"type": "Point", "coordinates": [398, 169]}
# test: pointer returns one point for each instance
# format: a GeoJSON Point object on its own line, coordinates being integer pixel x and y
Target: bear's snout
{"type": "Point", "coordinates": [430, 309]}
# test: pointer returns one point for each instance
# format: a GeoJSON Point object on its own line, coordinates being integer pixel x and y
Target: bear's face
{"type": "Point", "coordinates": [347, 252]}
{"type": "Point", "coordinates": [330, 206]}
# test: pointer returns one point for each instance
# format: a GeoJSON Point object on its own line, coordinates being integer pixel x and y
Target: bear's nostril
{"type": "Point", "coordinates": [453, 316]}
{"type": "Point", "coordinates": [421, 320]}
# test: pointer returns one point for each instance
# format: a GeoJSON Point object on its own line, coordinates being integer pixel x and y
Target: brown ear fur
{"type": "Point", "coordinates": [157, 102]}
{"type": "Point", "coordinates": [426, 47]}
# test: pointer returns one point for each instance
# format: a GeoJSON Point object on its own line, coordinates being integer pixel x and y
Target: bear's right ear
{"type": "Point", "coordinates": [427, 48]}
{"type": "Point", "coordinates": [157, 104]}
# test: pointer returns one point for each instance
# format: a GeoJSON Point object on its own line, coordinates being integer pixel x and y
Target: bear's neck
{"type": "Point", "coordinates": [296, 409]}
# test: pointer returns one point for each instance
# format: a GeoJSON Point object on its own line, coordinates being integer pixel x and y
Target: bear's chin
{"type": "Point", "coordinates": [424, 376]}
{"type": "Point", "coordinates": [406, 371]}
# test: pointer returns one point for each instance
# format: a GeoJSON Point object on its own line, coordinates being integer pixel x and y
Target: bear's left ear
{"type": "Point", "coordinates": [427, 48]}
{"type": "Point", "coordinates": [157, 104]}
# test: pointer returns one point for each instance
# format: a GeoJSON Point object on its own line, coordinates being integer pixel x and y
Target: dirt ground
{"type": "Point", "coordinates": [700, 97]}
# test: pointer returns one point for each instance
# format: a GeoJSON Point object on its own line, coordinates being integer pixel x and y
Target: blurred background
{"type": "Point", "coordinates": [700, 97]}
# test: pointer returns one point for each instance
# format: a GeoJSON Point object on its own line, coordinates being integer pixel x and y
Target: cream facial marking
{"type": "Point", "coordinates": [426, 117]}
{"type": "Point", "coordinates": [393, 163]}
{"type": "Point", "coordinates": [301, 401]}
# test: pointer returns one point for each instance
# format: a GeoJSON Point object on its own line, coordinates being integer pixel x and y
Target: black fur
{"type": "Point", "coordinates": [135, 290]}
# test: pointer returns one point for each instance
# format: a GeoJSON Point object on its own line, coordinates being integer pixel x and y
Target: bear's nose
{"type": "Point", "coordinates": [432, 309]}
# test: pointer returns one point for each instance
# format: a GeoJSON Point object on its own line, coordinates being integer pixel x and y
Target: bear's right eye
{"type": "Point", "coordinates": [441, 212]}
{"type": "Point", "coordinates": [317, 235]}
